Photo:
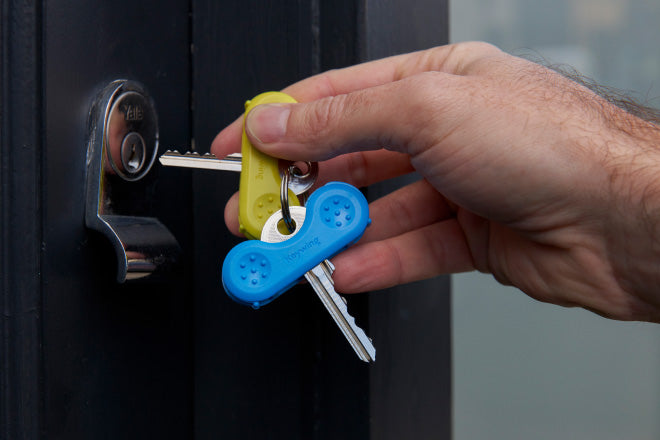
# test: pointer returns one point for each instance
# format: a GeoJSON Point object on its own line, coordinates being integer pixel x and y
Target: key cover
{"type": "Point", "coordinates": [259, 190]}
{"type": "Point", "coordinates": [255, 272]}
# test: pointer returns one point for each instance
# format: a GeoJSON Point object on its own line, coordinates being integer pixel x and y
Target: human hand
{"type": "Point", "coordinates": [526, 175]}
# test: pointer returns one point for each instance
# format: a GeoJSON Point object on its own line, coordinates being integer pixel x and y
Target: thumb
{"type": "Point", "coordinates": [383, 116]}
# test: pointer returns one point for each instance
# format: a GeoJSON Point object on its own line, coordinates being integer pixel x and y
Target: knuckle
{"type": "Point", "coordinates": [475, 57]}
{"type": "Point", "coordinates": [401, 212]}
{"type": "Point", "coordinates": [322, 114]}
{"type": "Point", "coordinates": [427, 93]}
{"type": "Point", "coordinates": [325, 85]}
{"type": "Point", "coordinates": [329, 114]}
{"type": "Point", "coordinates": [479, 47]}
{"type": "Point", "coordinates": [435, 104]}
{"type": "Point", "coordinates": [357, 166]}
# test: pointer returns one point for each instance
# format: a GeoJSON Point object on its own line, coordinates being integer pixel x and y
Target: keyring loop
{"type": "Point", "coordinates": [284, 201]}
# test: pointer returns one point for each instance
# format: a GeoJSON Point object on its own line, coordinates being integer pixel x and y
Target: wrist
{"type": "Point", "coordinates": [632, 231]}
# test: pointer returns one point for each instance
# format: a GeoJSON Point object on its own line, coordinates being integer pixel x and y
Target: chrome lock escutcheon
{"type": "Point", "coordinates": [122, 146]}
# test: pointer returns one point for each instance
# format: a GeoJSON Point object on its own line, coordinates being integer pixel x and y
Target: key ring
{"type": "Point", "coordinates": [284, 199]}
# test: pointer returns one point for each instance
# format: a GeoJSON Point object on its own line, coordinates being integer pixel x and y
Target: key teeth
{"type": "Point", "coordinates": [177, 153]}
{"type": "Point", "coordinates": [355, 335]}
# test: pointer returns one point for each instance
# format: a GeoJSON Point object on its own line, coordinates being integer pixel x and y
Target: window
{"type": "Point", "coordinates": [527, 370]}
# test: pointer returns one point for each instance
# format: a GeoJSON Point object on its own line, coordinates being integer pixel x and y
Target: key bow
{"type": "Point", "coordinates": [255, 272]}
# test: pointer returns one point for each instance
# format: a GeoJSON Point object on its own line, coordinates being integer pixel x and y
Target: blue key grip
{"type": "Point", "coordinates": [255, 272]}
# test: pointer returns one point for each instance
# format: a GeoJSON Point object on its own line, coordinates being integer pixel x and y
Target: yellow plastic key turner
{"type": "Point", "coordinates": [259, 189]}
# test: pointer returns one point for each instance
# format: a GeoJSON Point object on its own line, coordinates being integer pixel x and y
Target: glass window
{"type": "Point", "coordinates": [527, 370]}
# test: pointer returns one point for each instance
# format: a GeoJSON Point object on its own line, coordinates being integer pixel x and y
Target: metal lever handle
{"type": "Point", "coordinates": [122, 146]}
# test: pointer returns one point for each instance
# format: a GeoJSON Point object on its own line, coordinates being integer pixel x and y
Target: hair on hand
{"type": "Point", "coordinates": [620, 98]}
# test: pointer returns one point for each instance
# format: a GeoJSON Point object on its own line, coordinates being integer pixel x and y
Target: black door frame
{"type": "Point", "coordinates": [21, 165]}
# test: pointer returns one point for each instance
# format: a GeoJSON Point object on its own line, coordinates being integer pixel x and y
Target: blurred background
{"type": "Point", "coordinates": [528, 370]}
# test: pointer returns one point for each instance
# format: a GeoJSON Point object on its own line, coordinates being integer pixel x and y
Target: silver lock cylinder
{"type": "Point", "coordinates": [122, 145]}
{"type": "Point", "coordinates": [131, 135]}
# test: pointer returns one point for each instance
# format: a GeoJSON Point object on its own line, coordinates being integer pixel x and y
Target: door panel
{"type": "Point", "coordinates": [281, 371]}
{"type": "Point", "coordinates": [84, 357]}
{"type": "Point", "coordinates": [286, 370]}
{"type": "Point", "coordinates": [20, 221]}
{"type": "Point", "coordinates": [117, 358]}
{"type": "Point", "coordinates": [410, 393]}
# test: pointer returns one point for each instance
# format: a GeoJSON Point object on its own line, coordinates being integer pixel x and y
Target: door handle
{"type": "Point", "coordinates": [121, 148]}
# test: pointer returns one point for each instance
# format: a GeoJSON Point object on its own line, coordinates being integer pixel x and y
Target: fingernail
{"type": "Point", "coordinates": [267, 122]}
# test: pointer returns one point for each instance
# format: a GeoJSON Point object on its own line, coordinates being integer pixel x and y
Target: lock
{"type": "Point", "coordinates": [122, 145]}
{"type": "Point", "coordinates": [131, 133]}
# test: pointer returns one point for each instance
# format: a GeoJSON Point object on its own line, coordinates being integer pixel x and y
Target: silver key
{"type": "Point", "coordinates": [320, 278]}
{"type": "Point", "coordinates": [299, 182]}
{"type": "Point", "coordinates": [206, 162]}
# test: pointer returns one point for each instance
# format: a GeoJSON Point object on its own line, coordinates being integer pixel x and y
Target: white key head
{"type": "Point", "coordinates": [271, 234]}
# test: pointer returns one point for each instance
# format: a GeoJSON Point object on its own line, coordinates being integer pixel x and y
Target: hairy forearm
{"type": "Point", "coordinates": [633, 238]}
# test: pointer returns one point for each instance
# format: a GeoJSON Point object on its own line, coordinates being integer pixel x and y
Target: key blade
{"type": "Point", "coordinates": [320, 278]}
{"type": "Point", "coordinates": [336, 306]}
{"type": "Point", "coordinates": [206, 161]}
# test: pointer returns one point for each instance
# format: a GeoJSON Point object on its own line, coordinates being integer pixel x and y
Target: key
{"type": "Point", "coordinates": [259, 186]}
{"type": "Point", "coordinates": [299, 182]}
{"type": "Point", "coordinates": [320, 277]}
{"type": "Point", "coordinates": [205, 162]}
{"type": "Point", "coordinates": [256, 272]}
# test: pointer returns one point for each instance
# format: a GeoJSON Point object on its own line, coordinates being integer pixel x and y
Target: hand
{"type": "Point", "coordinates": [526, 175]}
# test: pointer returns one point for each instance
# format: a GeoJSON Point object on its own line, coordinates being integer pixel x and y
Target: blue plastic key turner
{"type": "Point", "coordinates": [255, 272]}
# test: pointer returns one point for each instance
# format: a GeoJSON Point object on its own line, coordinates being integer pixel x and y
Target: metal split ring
{"type": "Point", "coordinates": [284, 199]}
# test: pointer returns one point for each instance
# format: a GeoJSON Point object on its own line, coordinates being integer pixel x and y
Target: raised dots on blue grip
{"type": "Point", "coordinates": [254, 272]}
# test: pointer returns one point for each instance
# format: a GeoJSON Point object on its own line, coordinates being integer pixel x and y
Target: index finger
{"type": "Point", "coordinates": [454, 59]}
{"type": "Point", "coordinates": [330, 83]}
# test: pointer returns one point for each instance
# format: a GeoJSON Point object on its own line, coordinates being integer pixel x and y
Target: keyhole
{"type": "Point", "coordinates": [134, 161]}
{"type": "Point", "coordinates": [132, 152]}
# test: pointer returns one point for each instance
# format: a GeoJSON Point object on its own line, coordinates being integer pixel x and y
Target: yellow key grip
{"type": "Point", "coordinates": [259, 189]}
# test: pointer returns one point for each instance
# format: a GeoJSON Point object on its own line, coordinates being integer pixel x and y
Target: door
{"type": "Point", "coordinates": [85, 357]}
